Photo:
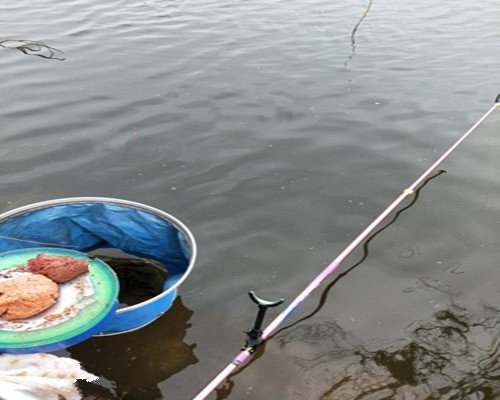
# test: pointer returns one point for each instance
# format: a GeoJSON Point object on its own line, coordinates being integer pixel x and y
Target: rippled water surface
{"type": "Point", "coordinates": [276, 140]}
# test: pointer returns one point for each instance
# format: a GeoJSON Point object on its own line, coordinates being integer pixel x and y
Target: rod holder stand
{"type": "Point", "coordinates": [254, 335]}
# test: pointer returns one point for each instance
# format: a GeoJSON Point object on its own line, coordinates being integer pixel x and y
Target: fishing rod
{"type": "Point", "coordinates": [256, 336]}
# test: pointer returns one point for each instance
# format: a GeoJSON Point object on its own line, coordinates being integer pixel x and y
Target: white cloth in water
{"type": "Point", "coordinates": [40, 377]}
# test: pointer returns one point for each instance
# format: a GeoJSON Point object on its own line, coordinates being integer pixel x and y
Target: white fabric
{"type": "Point", "coordinates": [40, 377]}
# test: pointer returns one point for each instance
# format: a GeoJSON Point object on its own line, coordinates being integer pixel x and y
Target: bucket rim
{"type": "Point", "coordinates": [121, 202]}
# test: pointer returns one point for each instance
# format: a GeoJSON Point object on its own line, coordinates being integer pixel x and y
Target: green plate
{"type": "Point", "coordinates": [81, 311]}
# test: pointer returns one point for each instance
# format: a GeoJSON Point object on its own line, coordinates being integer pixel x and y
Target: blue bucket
{"type": "Point", "coordinates": [88, 223]}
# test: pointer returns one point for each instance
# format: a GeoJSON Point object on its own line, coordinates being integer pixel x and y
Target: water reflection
{"type": "Point", "coordinates": [134, 364]}
{"type": "Point", "coordinates": [454, 355]}
{"type": "Point", "coordinates": [225, 389]}
{"type": "Point", "coordinates": [33, 48]}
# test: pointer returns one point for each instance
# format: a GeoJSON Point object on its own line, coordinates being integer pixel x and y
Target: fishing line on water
{"type": "Point", "coordinates": [325, 293]}
{"type": "Point", "coordinates": [226, 390]}
{"type": "Point", "coordinates": [33, 48]}
{"type": "Point", "coordinates": [365, 14]}
{"type": "Point", "coordinates": [353, 33]}
{"type": "Point", "coordinates": [252, 343]}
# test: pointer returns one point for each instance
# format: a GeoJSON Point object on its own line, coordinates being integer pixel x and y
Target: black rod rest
{"type": "Point", "coordinates": [497, 100]}
{"type": "Point", "coordinates": [254, 335]}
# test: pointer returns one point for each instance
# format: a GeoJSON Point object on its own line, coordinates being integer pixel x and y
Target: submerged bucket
{"type": "Point", "coordinates": [89, 223]}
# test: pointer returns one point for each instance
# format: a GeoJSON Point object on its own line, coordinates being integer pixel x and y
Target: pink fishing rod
{"type": "Point", "coordinates": [256, 336]}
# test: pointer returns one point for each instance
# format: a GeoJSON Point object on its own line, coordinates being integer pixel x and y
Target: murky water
{"type": "Point", "coordinates": [276, 140]}
{"type": "Point", "coordinates": [139, 279]}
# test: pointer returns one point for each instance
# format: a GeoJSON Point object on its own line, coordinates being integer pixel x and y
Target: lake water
{"type": "Point", "coordinates": [276, 140]}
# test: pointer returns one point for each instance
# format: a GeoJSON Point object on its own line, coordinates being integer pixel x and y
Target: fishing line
{"type": "Point", "coordinates": [252, 343]}
{"type": "Point", "coordinates": [37, 242]}
{"type": "Point", "coordinates": [326, 291]}
{"type": "Point", "coordinates": [353, 33]}
{"type": "Point", "coordinates": [365, 14]}
{"type": "Point", "coordinates": [33, 48]}
{"type": "Point", "coordinates": [222, 393]}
